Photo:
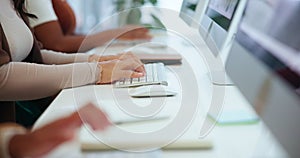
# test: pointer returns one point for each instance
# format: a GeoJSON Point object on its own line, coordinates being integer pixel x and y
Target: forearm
{"type": "Point", "coordinates": [69, 44]}
{"type": "Point", "coordinates": [52, 37]}
{"type": "Point", "coordinates": [25, 81]}
{"type": "Point", "coordinates": [52, 57]}
{"type": "Point", "coordinates": [77, 43]}
{"type": "Point", "coordinates": [81, 43]}
{"type": "Point", "coordinates": [58, 58]}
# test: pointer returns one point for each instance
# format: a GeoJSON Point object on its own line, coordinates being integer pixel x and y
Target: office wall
{"type": "Point", "coordinates": [91, 12]}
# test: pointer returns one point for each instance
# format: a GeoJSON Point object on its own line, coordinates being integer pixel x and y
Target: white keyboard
{"type": "Point", "coordinates": [155, 75]}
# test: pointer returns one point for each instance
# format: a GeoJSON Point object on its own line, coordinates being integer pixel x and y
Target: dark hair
{"type": "Point", "coordinates": [19, 7]}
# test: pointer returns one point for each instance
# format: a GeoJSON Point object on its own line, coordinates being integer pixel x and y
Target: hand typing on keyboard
{"type": "Point", "coordinates": [155, 74]}
{"type": "Point", "coordinates": [127, 66]}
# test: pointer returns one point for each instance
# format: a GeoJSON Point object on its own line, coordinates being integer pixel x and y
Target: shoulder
{"type": "Point", "coordinates": [43, 9]}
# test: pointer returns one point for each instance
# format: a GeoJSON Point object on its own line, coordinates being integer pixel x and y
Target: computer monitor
{"type": "Point", "coordinates": [219, 23]}
{"type": "Point", "coordinates": [218, 27]}
{"type": "Point", "coordinates": [192, 11]}
{"type": "Point", "coordinates": [264, 64]}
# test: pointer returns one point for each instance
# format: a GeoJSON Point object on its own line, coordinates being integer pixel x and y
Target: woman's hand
{"type": "Point", "coordinates": [116, 67]}
{"type": "Point", "coordinates": [43, 140]}
{"type": "Point", "coordinates": [124, 67]}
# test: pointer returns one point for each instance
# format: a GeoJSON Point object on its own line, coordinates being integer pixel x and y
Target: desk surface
{"type": "Point", "coordinates": [252, 140]}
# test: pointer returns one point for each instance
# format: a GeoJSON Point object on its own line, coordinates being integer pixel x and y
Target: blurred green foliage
{"type": "Point", "coordinates": [135, 14]}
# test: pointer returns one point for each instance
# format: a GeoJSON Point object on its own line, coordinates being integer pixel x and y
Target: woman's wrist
{"type": "Point", "coordinates": [93, 58]}
{"type": "Point", "coordinates": [98, 58]}
{"type": "Point", "coordinates": [100, 74]}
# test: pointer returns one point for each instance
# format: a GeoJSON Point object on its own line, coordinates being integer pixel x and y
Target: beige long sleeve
{"type": "Point", "coordinates": [27, 81]}
{"type": "Point", "coordinates": [52, 57]}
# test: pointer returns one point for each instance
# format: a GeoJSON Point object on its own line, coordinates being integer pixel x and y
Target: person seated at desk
{"type": "Point", "coordinates": [27, 72]}
{"type": "Point", "coordinates": [56, 31]}
{"type": "Point", "coordinates": [15, 141]}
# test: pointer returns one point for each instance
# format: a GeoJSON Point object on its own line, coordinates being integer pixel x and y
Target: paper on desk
{"type": "Point", "coordinates": [120, 154]}
{"type": "Point", "coordinates": [118, 116]}
{"type": "Point", "coordinates": [112, 139]}
{"type": "Point", "coordinates": [236, 110]}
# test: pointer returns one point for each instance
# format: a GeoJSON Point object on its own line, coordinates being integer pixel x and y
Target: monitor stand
{"type": "Point", "coordinates": [220, 78]}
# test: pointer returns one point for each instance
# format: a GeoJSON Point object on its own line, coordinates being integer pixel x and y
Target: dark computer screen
{"type": "Point", "coordinates": [189, 6]}
{"type": "Point", "coordinates": [188, 11]}
{"type": "Point", "coordinates": [270, 31]}
{"type": "Point", "coordinates": [222, 11]}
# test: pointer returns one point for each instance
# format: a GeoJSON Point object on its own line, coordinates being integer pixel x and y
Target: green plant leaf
{"type": "Point", "coordinates": [153, 2]}
{"type": "Point", "coordinates": [158, 23]}
{"type": "Point", "coordinates": [140, 2]}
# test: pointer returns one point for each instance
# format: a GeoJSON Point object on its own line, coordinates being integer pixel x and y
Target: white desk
{"type": "Point", "coordinates": [241, 141]}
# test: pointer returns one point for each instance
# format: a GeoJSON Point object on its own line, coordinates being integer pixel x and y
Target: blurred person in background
{"type": "Point", "coordinates": [55, 23]}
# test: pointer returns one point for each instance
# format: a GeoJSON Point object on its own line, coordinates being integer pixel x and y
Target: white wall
{"type": "Point", "coordinates": [91, 12]}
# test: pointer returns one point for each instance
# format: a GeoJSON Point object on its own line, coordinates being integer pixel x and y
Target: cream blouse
{"type": "Point", "coordinates": [27, 81]}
